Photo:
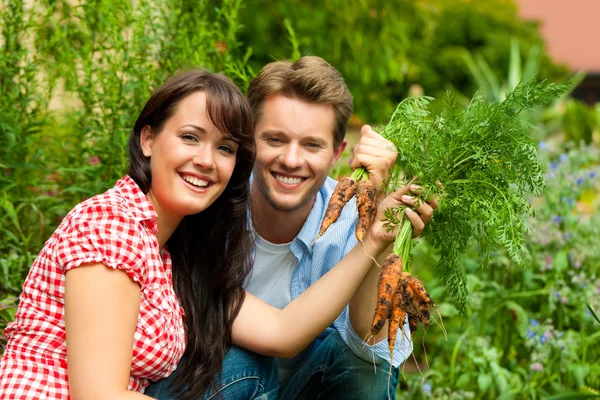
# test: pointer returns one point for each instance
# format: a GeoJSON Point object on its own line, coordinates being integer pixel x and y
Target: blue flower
{"type": "Point", "coordinates": [567, 236]}
{"type": "Point", "coordinates": [553, 165]}
{"type": "Point", "coordinates": [534, 322]}
{"type": "Point", "coordinates": [579, 181]}
{"type": "Point", "coordinates": [592, 174]}
{"type": "Point", "coordinates": [530, 334]}
{"type": "Point", "coordinates": [563, 157]}
{"type": "Point", "coordinates": [542, 146]}
{"type": "Point", "coordinates": [557, 219]}
{"type": "Point", "coordinates": [543, 339]}
{"type": "Point", "coordinates": [426, 387]}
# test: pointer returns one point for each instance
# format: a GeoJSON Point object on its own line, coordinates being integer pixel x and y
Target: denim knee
{"type": "Point", "coordinates": [245, 375]}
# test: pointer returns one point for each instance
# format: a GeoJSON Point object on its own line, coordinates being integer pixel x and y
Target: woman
{"type": "Point", "coordinates": [103, 292]}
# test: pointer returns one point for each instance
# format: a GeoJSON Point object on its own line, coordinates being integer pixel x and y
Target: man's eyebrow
{"type": "Point", "coordinates": [271, 133]}
{"type": "Point", "coordinates": [316, 139]}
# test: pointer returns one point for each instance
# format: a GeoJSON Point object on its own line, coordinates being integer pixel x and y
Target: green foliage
{"type": "Point", "coordinates": [528, 327]}
{"type": "Point", "coordinates": [383, 47]}
{"type": "Point", "coordinates": [486, 163]}
{"type": "Point", "coordinates": [579, 121]}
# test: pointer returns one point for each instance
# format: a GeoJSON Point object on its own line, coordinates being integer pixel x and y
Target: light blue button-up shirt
{"type": "Point", "coordinates": [317, 259]}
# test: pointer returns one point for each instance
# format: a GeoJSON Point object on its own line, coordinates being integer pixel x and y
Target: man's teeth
{"type": "Point", "coordinates": [195, 181]}
{"type": "Point", "coordinates": [288, 180]}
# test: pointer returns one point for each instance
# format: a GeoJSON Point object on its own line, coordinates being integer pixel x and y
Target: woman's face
{"type": "Point", "coordinates": [190, 159]}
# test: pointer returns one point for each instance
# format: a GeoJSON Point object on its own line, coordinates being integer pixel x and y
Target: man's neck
{"type": "Point", "coordinates": [274, 225]}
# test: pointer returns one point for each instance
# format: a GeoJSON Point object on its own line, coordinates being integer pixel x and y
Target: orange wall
{"type": "Point", "coordinates": [571, 29]}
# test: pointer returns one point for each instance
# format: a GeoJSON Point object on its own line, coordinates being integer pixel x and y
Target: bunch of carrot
{"type": "Point", "coordinates": [357, 185]}
{"type": "Point", "coordinates": [485, 159]}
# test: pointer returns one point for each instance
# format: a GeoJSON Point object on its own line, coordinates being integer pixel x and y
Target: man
{"type": "Point", "coordinates": [301, 111]}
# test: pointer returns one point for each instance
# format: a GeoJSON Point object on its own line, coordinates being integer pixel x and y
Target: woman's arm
{"type": "Point", "coordinates": [101, 310]}
{"type": "Point", "coordinates": [284, 333]}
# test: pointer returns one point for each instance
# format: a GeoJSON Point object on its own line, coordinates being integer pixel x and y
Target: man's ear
{"type": "Point", "coordinates": [337, 152]}
{"type": "Point", "coordinates": [146, 138]}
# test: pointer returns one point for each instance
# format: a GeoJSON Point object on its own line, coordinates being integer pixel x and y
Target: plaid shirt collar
{"type": "Point", "coordinates": [141, 208]}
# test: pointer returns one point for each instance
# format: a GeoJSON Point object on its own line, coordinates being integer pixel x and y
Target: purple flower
{"type": "Point", "coordinates": [542, 146]}
{"type": "Point", "coordinates": [427, 387]}
{"type": "Point", "coordinates": [557, 219]}
{"type": "Point", "coordinates": [579, 181]}
{"type": "Point", "coordinates": [592, 174]}
{"type": "Point", "coordinates": [537, 367]}
{"type": "Point", "coordinates": [567, 236]}
{"type": "Point", "coordinates": [543, 339]}
{"type": "Point", "coordinates": [534, 322]}
{"type": "Point", "coordinates": [564, 157]}
{"type": "Point", "coordinates": [548, 335]}
{"type": "Point", "coordinates": [553, 165]}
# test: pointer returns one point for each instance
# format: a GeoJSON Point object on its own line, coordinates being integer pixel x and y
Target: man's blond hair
{"type": "Point", "coordinates": [311, 79]}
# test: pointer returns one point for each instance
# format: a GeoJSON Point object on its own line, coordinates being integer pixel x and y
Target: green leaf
{"type": "Point", "coordinates": [592, 312]}
{"type": "Point", "coordinates": [573, 395]}
{"type": "Point", "coordinates": [484, 381]}
{"type": "Point", "coordinates": [522, 317]}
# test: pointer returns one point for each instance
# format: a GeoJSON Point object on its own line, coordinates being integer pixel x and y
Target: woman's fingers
{"type": "Point", "coordinates": [416, 221]}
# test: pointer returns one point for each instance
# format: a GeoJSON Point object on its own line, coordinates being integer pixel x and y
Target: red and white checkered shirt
{"type": "Point", "coordinates": [117, 228]}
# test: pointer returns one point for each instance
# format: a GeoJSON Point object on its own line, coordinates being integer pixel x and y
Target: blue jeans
{"type": "Point", "coordinates": [332, 371]}
{"type": "Point", "coordinates": [245, 375]}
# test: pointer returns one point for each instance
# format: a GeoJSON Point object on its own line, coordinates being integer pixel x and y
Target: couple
{"type": "Point", "coordinates": [161, 278]}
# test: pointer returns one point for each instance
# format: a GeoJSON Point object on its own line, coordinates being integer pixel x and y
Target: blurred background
{"type": "Point", "coordinates": [74, 75]}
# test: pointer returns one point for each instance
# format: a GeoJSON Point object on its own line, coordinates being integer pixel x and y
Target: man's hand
{"type": "Point", "coordinates": [376, 154]}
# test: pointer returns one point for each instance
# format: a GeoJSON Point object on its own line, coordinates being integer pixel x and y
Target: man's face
{"type": "Point", "coordinates": [294, 151]}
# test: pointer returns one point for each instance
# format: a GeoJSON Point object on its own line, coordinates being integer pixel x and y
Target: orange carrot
{"type": "Point", "coordinates": [388, 282]}
{"type": "Point", "coordinates": [345, 189]}
{"type": "Point", "coordinates": [397, 317]}
{"type": "Point", "coordinates": [367, 207]}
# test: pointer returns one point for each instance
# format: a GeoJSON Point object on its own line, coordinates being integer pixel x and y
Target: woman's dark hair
{"type": "Point", "coordinates": [211, 250]}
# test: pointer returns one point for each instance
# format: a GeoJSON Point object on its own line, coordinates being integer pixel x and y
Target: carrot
{"type": "Point", "coordinates": [344, 190]}
{"type": "Point", "coordinates": [367, 207]}
{"type": "Point", "coordinates": [397, 317]}
{"type": "Point", "coordinates": [388, 282]}
{"type": "Point", "coordinates": [422, 300]}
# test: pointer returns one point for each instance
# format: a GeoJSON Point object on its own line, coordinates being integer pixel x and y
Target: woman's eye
{"type": "Point", "coordinates": [227, 149]}
{"type": "Point", "coordinates": [189, 137]}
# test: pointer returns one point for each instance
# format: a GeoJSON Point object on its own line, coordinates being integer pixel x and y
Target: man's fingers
{"type": "Point", "coordinates": [365, 129]}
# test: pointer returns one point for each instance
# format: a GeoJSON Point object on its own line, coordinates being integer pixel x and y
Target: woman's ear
{"type": "Point", "coordinates": [146, 138]}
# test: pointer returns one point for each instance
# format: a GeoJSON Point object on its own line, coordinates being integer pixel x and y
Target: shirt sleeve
{"type": "Point", "coordinates": [380, 351]}
{"type": "Point", "coordinates": [108, 236]}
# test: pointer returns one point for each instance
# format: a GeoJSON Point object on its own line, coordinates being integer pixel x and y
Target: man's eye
{"type": "Point", "coordinates": [313, 145]}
